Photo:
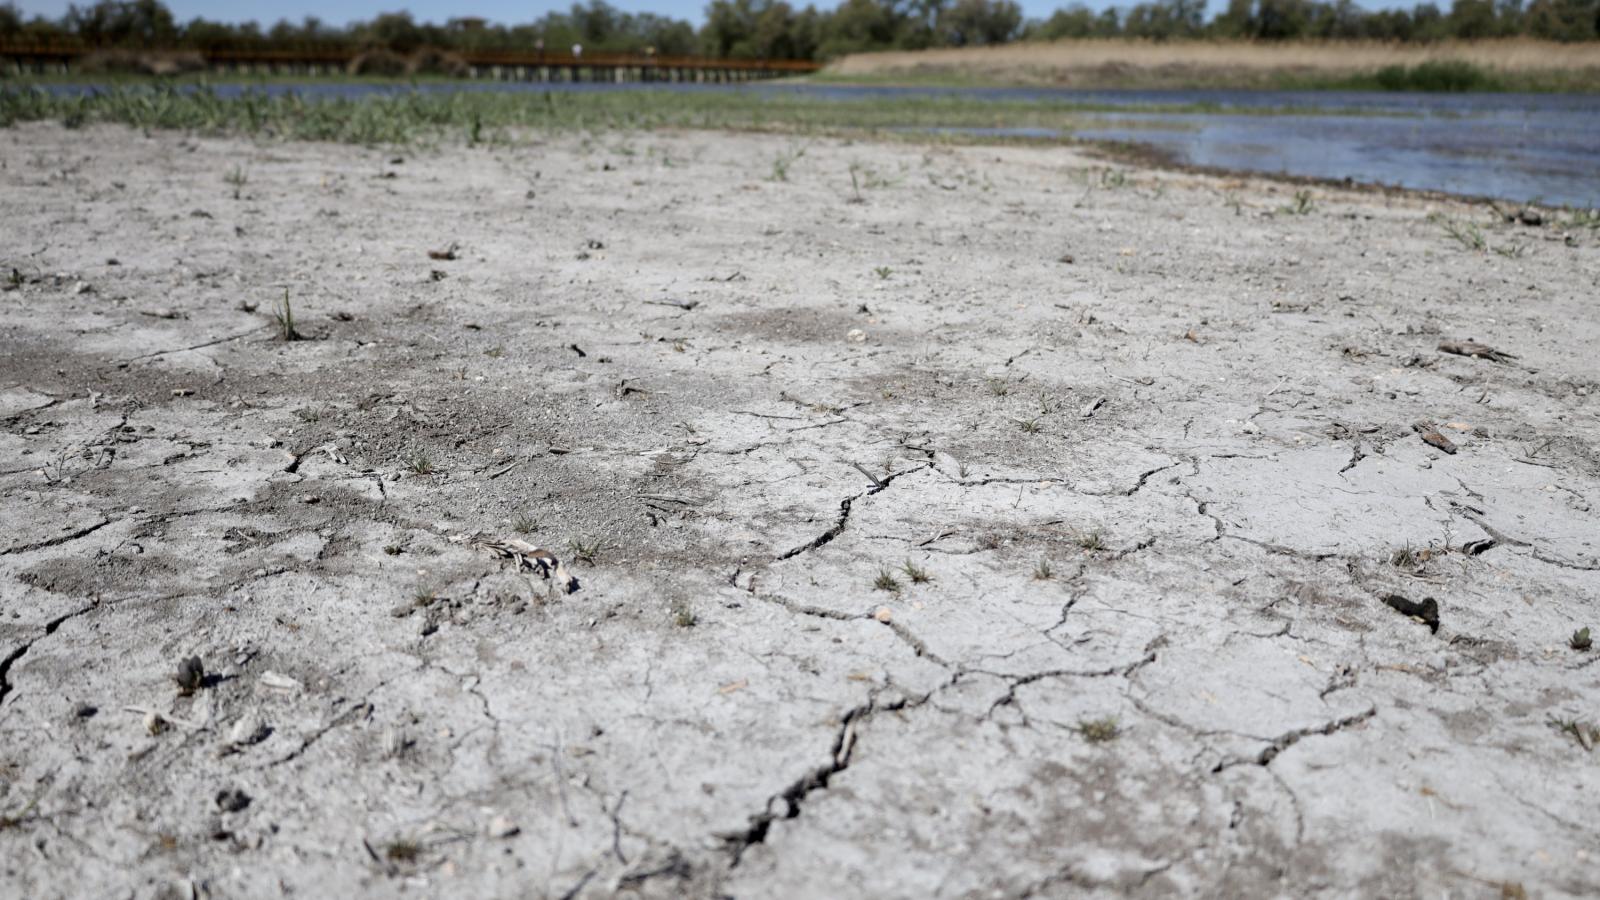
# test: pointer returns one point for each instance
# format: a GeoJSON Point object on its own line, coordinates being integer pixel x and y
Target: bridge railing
{"type": "Point", "coordinates": [66, 54]}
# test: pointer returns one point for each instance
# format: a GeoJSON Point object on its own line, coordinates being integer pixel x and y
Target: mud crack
{"type": "Point", "coordinates": [845, 506]}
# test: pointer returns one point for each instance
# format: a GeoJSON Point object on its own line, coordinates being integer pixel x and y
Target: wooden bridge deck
{"type": "Point", "coordinates": [501, 64]}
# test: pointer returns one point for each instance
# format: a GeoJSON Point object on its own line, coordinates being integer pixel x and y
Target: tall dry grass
{"type": "Point", "coordinates": [1092, 62]}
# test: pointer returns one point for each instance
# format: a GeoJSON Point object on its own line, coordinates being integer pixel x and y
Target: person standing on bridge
{"type": "Point", "coordinates": [577, 51]}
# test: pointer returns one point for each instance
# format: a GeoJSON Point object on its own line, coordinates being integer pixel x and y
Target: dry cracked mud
{"type": "Point", "coordinates": [997, 526]}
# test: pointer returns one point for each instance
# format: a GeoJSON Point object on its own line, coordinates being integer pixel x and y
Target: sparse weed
{"type": "Point", "coordinates": [283, 315]}
{"type": "Point", "coordinates": [1042, 571]}
{"type": "Point", "coordinates": [1585, 733]}
{"type": "Point", "coordinates": [525, 525]}
{"type": "Point", "coordinates": [883, 272]}
{"type": "Point", "coordinates": [1303, 204]}
{"type": "Point", "coordinates": [1030, 426]}
{"type": "Point", "coordinates": [585, 549]}
{"type": "Point", "coordinates": [237, 178]}
{"type": "Point", "coordinates": [1091, 540]}
{"type": "Point", "coordinates": [886, 582]}
{"type": "Point", "coordinates": [855, 185]}
{"type": "Point", "coordinates": [683, 615]}
{"type": "Point", "coordinates": [1114, 179]}
{"type": "Point", "coordinates": [419, 463]}
{"type": "Point", "coordinates": [1512, 251]}
{"type": "Point", "coordinates": [1099, 731]}
{"type": "Point", "coordinates": [999, 387]}
{"type": "Point", "coordinates": [1580, 640]}
{"type": "Point", "coordinates": [782, 162]}
{"type": "Point", "coordinates": [403, 850]}
{"type": "Point", "coordinates": [916, 573]}
{"type": "Point", "coordinates": [1468, 235]}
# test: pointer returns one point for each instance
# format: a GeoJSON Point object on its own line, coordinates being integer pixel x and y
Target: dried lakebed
{"type": "Point", "coordinates": [995, 525]}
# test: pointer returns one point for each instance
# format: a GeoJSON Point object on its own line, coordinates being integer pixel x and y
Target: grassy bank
{"type": "Point", "coordinates": [1509, 65]}
{"type": "Point", "coordinates": [486, 116]}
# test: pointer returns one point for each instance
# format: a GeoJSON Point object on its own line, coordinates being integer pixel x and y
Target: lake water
{"type": "Point", "coordinates": [1516, 147]}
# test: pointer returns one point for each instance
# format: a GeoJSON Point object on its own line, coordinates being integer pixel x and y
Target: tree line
{"type": "Point", "coordinates": [775, 29]}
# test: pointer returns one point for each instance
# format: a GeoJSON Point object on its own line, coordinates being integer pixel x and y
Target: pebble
{"type": "Point", "coordinates": [502, 827]}
{"type": "Point", "coordinates": [247, 729]}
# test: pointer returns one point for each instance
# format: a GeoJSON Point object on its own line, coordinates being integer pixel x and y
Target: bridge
{"type": "Point", "coordinates": [497, 64]}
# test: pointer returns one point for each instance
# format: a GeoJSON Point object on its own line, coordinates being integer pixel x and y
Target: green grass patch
{"type": "Point", "coordinates": [405, 116]}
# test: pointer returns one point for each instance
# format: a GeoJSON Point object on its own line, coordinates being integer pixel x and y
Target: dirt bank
{"type": "Point", "coordinates": [948, 522]}
{"type": "Point", "coordinates": [1512, 64]}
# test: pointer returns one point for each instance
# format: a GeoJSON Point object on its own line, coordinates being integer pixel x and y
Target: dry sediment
{"type": "Point", "coordinates": [912, 560]}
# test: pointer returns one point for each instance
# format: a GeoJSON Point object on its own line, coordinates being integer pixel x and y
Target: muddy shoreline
{"type": "Point", "coordinates": [946, 520]}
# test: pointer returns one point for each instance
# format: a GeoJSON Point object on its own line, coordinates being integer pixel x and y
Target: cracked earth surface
{"type": "Point", "coordinates": [1154, 498]}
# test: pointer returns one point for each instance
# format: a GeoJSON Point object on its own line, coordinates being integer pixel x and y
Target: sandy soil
{"type": "Point", "coordinates": [737, 409]}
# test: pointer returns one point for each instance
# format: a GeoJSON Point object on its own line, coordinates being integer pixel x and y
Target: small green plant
{"type": "Point", "coordinates": [999, 387]}
{"type": "Point", "coordinates": [495, 352]}
{"type": "Point", "coordinates": [1468, 235]}
{"type": "Point", "coordinates": [916, 573]}
{"type": "Point", "coordinates": [883, 272]}
{"type": "Point", "coordinates": [855, 184]}
{"type": "Point", "coordinates": [886, 582]}
{"type": "Point", "coordinates": [1091, 540]}
{"type": "Point", "coordinates": [237, 178]}
{"type": "Point", "coordinates": [1042, 571]}
{"type": "Point", "coordinates": [419, 463]}
{"type": "Point", "coordinates": [585, 549]}
{"type": "Point", "coordinates": [284, 317]}
{"type": "Point", "coordinates": [1580, 640]}
{"type": "Point", "coordinates": [1114, 179]}
{"type": "Point", "coordinates": [683, 614]}
{"type": "Point", "coordinates": [1511, 251]}
{"type": "Point", "coordinates": [1030, 426]}
{"type": "Point", "coordinates": [424, 597]}
{"type": "Point", "coordinates": [782, 162]}
{"type": "Point", "coordinates": [524, 525]}
{"type": "Point", "coordinates": [1302, 203]}
{"type": "Point", "coordinates": [475, 130]}
{"type": "Point", "coordinates": [1099, 731]}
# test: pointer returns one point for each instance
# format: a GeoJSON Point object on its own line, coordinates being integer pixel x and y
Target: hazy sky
{"type": "Point", "coordinates": [338, 12]}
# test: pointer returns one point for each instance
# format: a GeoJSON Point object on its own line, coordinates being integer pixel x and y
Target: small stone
{"type": "Point", "coordinates": [856, 336]}
{"type": "Point", "coordinates": [85, 710]}
{"type": "Point", "coordinates": [247, 729]}
{"type": "Point", "coordinates": [191, 675]}
{"type": "Point", "coordinates": [502, 827]}
{"type": "Point", "coordinates": [310, 499]}
{"type": "Point", "coordinates": [153, 723]}
{"type": "Point", "coordinates": [884, 614]}
{"type": "Point", "coordinates": [83, 287]}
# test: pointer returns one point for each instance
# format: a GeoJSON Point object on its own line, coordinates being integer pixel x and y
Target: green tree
{"type": "Point", "coordinates": [980, 22]}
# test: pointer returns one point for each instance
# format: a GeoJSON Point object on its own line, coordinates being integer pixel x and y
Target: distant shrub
{"type": "Point", "coordinates": [1438, 76]}
{"type": "Point", "coordinates": [378, 61]}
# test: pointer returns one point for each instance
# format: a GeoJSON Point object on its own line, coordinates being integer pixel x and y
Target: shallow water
{"type": "Point", "coordinates": [1517, 147]}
